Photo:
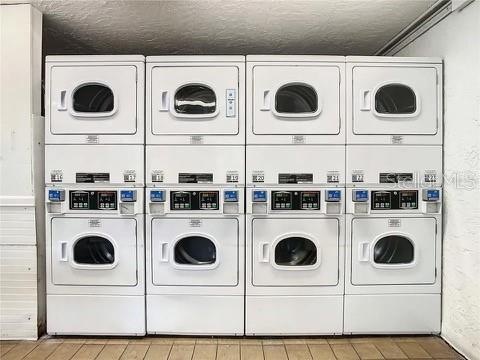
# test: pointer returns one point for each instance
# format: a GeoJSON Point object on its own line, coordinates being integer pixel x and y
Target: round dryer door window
{"type": "Point", "coordinates": [393, 249]}
{"type": "Point", "coordinates": [94, 250]}
{"type": "Point", "coordinates": [295, 251]}
{"type": "Point", "coordinates": [93, 98]}
{"type": "Point", "coordinates": [195, 100]}
{"type": "Point", "coordinates": [296, 99]}
{"type": "Point", "coordinates": [395, 99]}
{"type": "Point", "coordinates": [195, 250]}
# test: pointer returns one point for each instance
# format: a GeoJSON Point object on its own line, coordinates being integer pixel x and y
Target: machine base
{"type": "Point", "coordinates": [294, 315]}
{"type": "Point", "coordinates": [195, 314]}
{"type": "Point", "coordinates": [392, 314]}
{"type": "Point", "coordinates": [95, 315]}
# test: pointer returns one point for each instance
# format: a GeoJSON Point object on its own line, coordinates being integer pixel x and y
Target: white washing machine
{"type": "Point", "coordinates": [95, 261]}
{"type": "Point", "coordinates": [195, 260]}
{"type": "Point", "coordinates": [393, 260]}
{"type": "Point", "coordinates": [295, 99]}
{"type": "Point", "coordinates": [94, 99]}
{"type": "Point", "coordinates": [294, 240]}
{"type": "Point", "coordinates": [394, 100]}
{"type": "Point", "coordinates": [195, 100]}
{"type": "Point", "coordinates": [94, 165]}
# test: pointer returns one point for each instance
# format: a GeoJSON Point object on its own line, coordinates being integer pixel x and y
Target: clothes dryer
{"type": "Point", "coordinates": [295, 99]}
{"type": "Point", "coordinates": [95, 261]}
{"type": "Point", "coordinates": [393, 262]}
{"type": "Point", "coordinates": [94, 99]}
{"type": "Point", "coordinates": [195, 100]}
{"type": "Point", "coordinates": [394, 100]}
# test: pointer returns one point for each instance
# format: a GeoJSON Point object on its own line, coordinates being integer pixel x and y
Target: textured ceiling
{"type": "Point", "coordinates": [156, 27]}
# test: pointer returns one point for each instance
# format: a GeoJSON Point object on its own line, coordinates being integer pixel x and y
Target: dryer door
{"type": "Point", "coordinates": [394, 100]}
{"type": "Point", "coordinates": [93, 100]}
{"type": "Point", "coordinates": [295, 252]}
{"type": "Point", "coordinates": [296, 100]}
{"type": "Point", "coordinates": [195, 252]}
{"type": "Point", "coordinates": [94, 251]}
{"type": "Point", "coordinates": [194, 100]}
{"type": "Point", "coordinates": [393, 251]}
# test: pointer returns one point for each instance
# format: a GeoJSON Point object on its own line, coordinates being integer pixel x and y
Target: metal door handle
{"type": "Point", "coordinates": [63, 251]}
{"type": "Point", "coordinates": [363, 251]}
{"type": "Point", "coordinates": [164, 101]}
{"type": "Point", "coordinates": [365, 100]}
{"type": "Point", "coordinates": [164, 252]}
{"type": "Point", "coordinates": [266, 100]}
{"type": "Point", "coordinates": [264, 253]}
{"type": "Point", "coordinates": [62, 106]}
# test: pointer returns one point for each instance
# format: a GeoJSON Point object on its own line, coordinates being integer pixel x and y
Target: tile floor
{"type": "Point", "coordinates": [174, 348]}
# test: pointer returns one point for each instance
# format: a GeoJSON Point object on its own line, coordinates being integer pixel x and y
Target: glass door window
{"type": "Point", "coordinates": [195, 250]}
{"type": "Point", "coordinates": [295, 251]}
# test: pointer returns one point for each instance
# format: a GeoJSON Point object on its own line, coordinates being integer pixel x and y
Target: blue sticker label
{"type": "Point", "coordinates": [230, 196]}
{"type": "Point", "coordinates": [334, 195]}
{"type": "Point", "coordinates": [128, 195]}
{"type": "Point", "coordinates": [157, 195]}
{"type": "Point", "coordinates": [259, 196]}
{"type": "Point", "coordinates": [360, 195]}
{"type": "Point", "coordinates": [56, 195]}
{"type": "Point", "coordinates": [433, 195]}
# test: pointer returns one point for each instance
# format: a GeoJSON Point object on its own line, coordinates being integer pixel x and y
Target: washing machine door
{"type": "Point", "coordinates": [295, 252]}
{"type": "Point", "coordinates": [94, 251]}
{"type": "Point", "coordinates": [296, 100]}
{"type": "Point", "coordinates": [93, 99]}
{"type": "Point", "coordinates": [194, 100]}
{"type": "Point", "coordinates": [195, 252]}
{"type": "Point", "coordinates": [394, 100]}
{"type": "Point", "coordinates": [393, 251]}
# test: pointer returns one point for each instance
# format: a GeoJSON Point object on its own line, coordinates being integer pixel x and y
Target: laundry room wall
{"type": "Point", "coordinates": [455, 39]}
{"type": "Point", "coordinates": [22, 289]}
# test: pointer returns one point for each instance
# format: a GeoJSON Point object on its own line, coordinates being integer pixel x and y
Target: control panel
{"type": "Point", "coordinates": [56, 195]}
{"type": "Point", "coordinates": [394, 200]}
{"type": "Point", "coordinates": [295, 200]}
{"type": "Point", "coordinates": [157, 196]}
{"type": "Point", "coordinates": [431, 195]}
{"type": "Point", "coordinates": [194, 200]}
{"type": "Point", "coordinates": [93, 200]}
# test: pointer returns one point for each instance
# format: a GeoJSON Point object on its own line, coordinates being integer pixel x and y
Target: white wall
{"type": "Point", "coordinates": [457, 40]}
{"type": "Point", "coordinates": [22, 231]}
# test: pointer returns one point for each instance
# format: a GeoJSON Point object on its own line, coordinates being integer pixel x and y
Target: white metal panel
{"type": "Point", "coordinates": [122, 233]}
{"type": "Point", "coordinates": [18, 292]}
{"type": "Point", "coordinates": [123, 163]}
{"type": "Point", "coordinates": [265, 163]}
{"type": "Point", "coordinates": [17, 225]}
{"type": "Point", "coordinates": [195, 314]}
{"type": "Point", "coordinates": [66, 80]}
{"type": "Point", "coordinates": [423, 162]}
{"type": "Point", "coordinates": [267, 233]}
{"type": "Point", "coordinates": [95, 315]}
{"type": "Point", "coordinates": [165, 163]}
{"type": "Point", "coordinates": [223, 232]}
{"type": "Point", "coordinates": [323, 79]}
{"type": "Point", "coordinates": [392, 314]}
{"type": "Point", "coordinates": [167, 80]}
{"type": "Point", "coordinates": [367, 231]}
{"type": "Point", "coordinates": [294, 315]}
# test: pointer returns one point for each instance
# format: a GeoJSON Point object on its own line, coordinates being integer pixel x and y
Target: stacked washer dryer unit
{"type": "Point", "coordinates": [94, 173]}
{"type": "Point", "coordinates": [394, 195]}
{"type": "Point", "coordinates": [195, 163]}
{"type": "Point", "coordinates": [295, 195]}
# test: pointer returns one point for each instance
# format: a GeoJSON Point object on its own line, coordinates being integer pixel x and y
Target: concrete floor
{"type": "Point", "coordinates": [174, 348]}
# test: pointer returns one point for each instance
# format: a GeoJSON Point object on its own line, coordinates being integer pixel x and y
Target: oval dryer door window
{"type": "Point", "coordinates": [195, 250]}
{"type": "Point", "coordinates": [296, 99]}
{"type": "Point", "coordinates": [93, 250]}
{"type": "Point", "coordinates": [395, 99]}
{"type": "Point", "coordinates": [393, 249]}
{"type": "Point", "coordinates": [93, 98]}
{"type": "Point", "coordinates": [195, 99]}
{"type": "Point", "coordinates": [295, 251]}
